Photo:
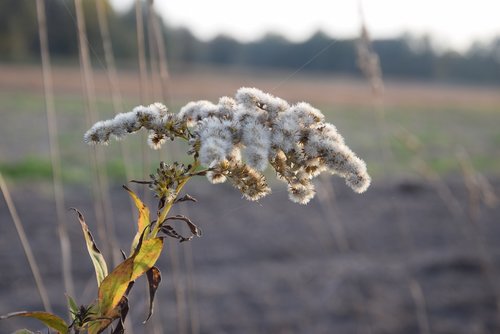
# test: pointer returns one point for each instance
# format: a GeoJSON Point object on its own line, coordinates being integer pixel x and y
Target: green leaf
{"type": "Point", "coordinates": [48, 319]}
{"type": "Point", "coordinates": [72, 307]}
{"type": "Point", "coordinates": [154, 279]}
{"type": "Point", "coordinates": [23, 331]}
{"type": "Point", "coordinates": [100, 267]}
{"type": "Point", "coordinates": [114, 286]}
{"type": "Point", "coordinates": [142, 221]}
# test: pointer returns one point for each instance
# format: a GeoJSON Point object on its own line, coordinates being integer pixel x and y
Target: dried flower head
{"type": "Point", "coordinates": [238, 138]}
{"type": "Point", "coordinates": [166, 179]}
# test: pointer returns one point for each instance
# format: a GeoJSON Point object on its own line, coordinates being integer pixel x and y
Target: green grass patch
{"type": "Point", "coordinates": [29, 168]}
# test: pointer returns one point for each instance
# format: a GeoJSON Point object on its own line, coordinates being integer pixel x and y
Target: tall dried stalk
{"type": "Point", "coordinates": [369, 64]}
{"type": "Point", "coordinates": [327, 201]}
{"type": "Point", "coordinates": [42, 291]}
{"type": "Point", "coordinates": [161, 55]}
{"type": "Point", "coordinates": [152, 50]}
{"type": "Point", "coordinates": [144, 87]}
{"type": "Point", "coordinates": [100, 184]}
{"type": "Point", "coordinates": [143, 74]}
{"type": "Point", "coordinates": [158, 65]}
{"type": "Point", "coordinates": [54, 149]}
{"type": "Point", "coordinates": [480, 190]}
{"type": "Point", "coordinates": [193, 311]}
{"type": "Point", "coordinates": [112, 78]}
{"type": "Point", "coordinates": [180, 298]}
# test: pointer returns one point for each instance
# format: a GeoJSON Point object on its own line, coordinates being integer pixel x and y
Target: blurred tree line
{"type": "Point", "coordinates": [405, 56]}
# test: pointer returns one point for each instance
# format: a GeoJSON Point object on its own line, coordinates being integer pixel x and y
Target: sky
{"type": "Point", "coordinates": [452, 23]}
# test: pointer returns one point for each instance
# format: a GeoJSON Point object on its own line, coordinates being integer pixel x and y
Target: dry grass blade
{"type": "Point", "coordinates": [112, 76]}
{"type": "Point", "coordinates": [326, 197]}
{"type": "Point", "coordinates": [369, 64]}
{"type": "Point", "coordinates": [161, 56]}
{"type": "Point", "coordinates": [141, 52]}
{"type": "Point", "coordinates": [102, 205]}
{"type": "Point", "coordinates": [54, 148]}
{"type": "Point", "coordinates": [26, 246]}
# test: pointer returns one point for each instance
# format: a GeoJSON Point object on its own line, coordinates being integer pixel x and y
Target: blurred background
{"type": "Point", "coordinates": [413, 87]}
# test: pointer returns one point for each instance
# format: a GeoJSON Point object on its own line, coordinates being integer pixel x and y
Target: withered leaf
{"type": "Point", "coordinates": [154, 279]}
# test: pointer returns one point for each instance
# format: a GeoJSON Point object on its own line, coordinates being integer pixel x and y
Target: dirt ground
{"type": "Point", "coordinates": [403, 262]}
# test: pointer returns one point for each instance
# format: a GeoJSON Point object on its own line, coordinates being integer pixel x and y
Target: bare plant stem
{"type": "Point", "coordinates": [143, 76]}
{"type": "Point", "coordinates": [369, 63]}
{"type": "Point", "coordinates": [42, 291]}
{"type": "Point", "coordinates": [54, 149]}
{"type": "Point", "coordinates": [102, 201]}
{"type": "Point", "coordinates": [141, 52]}
{"type": "Point", "coordinates": [161, 56]}
{"type": "Point", "coordinates": [326, 197]}
{"type": "Point", "coordinates": [474, 191]}
{"type": "Point", "coordinates": [193, 311]}
{"type": "Point", "coordinates": [115, 95]}
{"type": "Point", "coordinates": [112, 77]}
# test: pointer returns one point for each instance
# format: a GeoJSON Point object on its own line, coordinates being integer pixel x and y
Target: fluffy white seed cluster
{"type": "Point", "coordinates": [238, 138]}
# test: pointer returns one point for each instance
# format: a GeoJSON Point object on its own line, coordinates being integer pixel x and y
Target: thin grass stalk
{"type": "Point", "coordinates": [153, 51]}
{"type": "Point", "coordinates": [144, 87]}
{"type": "Point", "coordinates": [90, 118]}
{"type": "Point", "coordinates": [162, 56]}
{"type": "Point", "coordinates": [179, 289]}
{"type": "Point", "coordinates": [161, 62]}
{"type": "Point", "coordinates": [156, 67]}
{"type": "Point", "coordinates": [54, 149]}
{"type": "Point", "coordinates": [144, 84]}
{"type": "Point", "coordinates": [112, 76]}
{"type": "Point", "coordinates": [369, 63]}
{"type": "Point", "coordinates": [35, 271]}
{"type": "Point", "coordinates": [470, 230]}
{"type": "Point", "coordinates": [116, 96]}
{"type": "Point", "coordinates": [145, 97]}
{"type": "Point", "coordinates": [478, 191]}
{"type": "Point", "coordinates": [326, 197]}
{"type": "Point", "coordinates": [193, 311]}
{"type": "Point", "coordinates": [420, 303]}
{"type": "Point", "coordinates": [100, 184]}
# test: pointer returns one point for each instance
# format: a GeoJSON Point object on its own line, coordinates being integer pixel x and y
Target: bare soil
{"type": "Point", "coordinates": [276, 267]}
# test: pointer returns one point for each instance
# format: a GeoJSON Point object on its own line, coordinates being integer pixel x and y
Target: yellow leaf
{"type": "Point", "coordinates": [143, 220]}
{"type": "Point", "coordinates": [147, 256]}
{"type": "Point", "coordinates": [48, 319]}
{"type": "Point", "coordinates": [114, 286]}
{"type": "Point", "coordinates": [100, 267]}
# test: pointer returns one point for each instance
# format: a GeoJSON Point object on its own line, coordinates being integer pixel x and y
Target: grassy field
{"type": "Point", "coordinates": [421, 121]}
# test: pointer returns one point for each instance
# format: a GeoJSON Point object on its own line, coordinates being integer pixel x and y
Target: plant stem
{"type": "Point", "coordinates": [164, 212]}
